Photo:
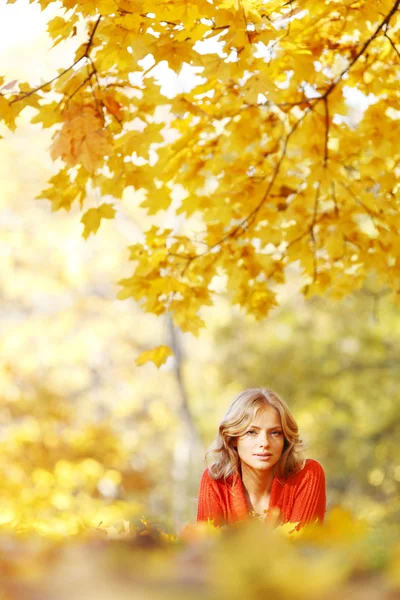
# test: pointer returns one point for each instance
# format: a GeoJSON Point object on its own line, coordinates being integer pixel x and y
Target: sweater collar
{"type": "Point", "coordinates": [239, 499]}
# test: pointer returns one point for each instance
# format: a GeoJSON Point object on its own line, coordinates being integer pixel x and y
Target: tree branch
{"type": "Point", "coordinates": [363, 49]}
{"type": "Point", "coordinates": [249, 219]}
{"type": "Point", "coordinates": [85, 55]}
{"type": "Point", "coordinates": [333, 183]}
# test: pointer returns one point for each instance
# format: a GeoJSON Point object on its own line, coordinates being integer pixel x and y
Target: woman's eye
{"type": "Point", "coordinates": [276, 433]}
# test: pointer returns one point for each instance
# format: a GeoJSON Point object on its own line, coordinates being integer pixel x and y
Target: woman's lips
{"type": "Point", "coordinates": [263, 456]}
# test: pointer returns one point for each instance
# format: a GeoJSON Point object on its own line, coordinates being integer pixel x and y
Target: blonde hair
{"type": "Point", "coordinates": [225, 460]}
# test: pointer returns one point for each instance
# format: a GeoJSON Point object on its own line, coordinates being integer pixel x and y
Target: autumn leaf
{"type": "Point", "coordinates": [139, 141]}
{"type": "Point", "coordinates": [60, 29]}
{"type": "Point", "coordinates": [82, 139]}
{"type": "Point", "coordinates": [92, 218]}
{"type": "Point", "coordinates": [113, 106]}
{"type": "Point", "coordinates": [158, 355]}
{"type": "Point", "coordinates": [9, 112]}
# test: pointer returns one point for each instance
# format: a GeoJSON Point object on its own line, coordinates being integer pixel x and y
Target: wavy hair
{"type": "Point", "coordinates": [240, 415]}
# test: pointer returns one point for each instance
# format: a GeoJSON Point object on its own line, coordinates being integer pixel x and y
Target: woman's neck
{"type": "Point", "coordinates": [257, 483]}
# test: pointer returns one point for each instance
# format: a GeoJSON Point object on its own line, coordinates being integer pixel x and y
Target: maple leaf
{"type": "Point", "coordinates": [140, 141]}
{"type": "Point", "coordinates": [176, 53]}
{"type": "Point", "coordinates": [157, 355]}
{"type": "Point", "coordinates": [82, 138]}
{"type": "Point", "coordinates": [158, 199]}
{"type": "Point", "coordinates": [92, 218]}
{"type": "Point", "coordinates": [61, 29]}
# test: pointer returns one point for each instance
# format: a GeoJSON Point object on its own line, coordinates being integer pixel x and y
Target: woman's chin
{"type": "Point", "coordinates": [262, 465]}
{"type": "Point", "coordinates": [259, 465]}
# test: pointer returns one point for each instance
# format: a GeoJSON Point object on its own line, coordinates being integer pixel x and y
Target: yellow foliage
{"type": "Point", "coordinates": [267, 147]}
{"type": "Point", "coordinates": [393, 568]}
{"type": "Point", "coordinates": [258, 559]}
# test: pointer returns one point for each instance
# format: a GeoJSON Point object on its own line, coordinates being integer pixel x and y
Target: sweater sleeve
{"type": "Point", "coordinates": [209, 505]}
{"type": "Point", "coordinates": [310, 499]}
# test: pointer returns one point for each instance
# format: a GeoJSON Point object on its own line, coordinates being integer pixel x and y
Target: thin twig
{"type": "Point", "coordinates": [45, 84]}
{"type": "Point", "coordinates": [77, 89]}
{"type": "Point", "coordinates": [85, 55]}
{"type": "Point", "coordinates": [392, 43]}
{"type": "Point", "coordinates": [363, 49]}
{"type": "Point", "coordinates": [358, 201]}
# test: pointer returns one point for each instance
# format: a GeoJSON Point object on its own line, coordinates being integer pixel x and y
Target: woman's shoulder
{"type": "Point", "coordinates": [208, 479]}
{"type": "Point", "coordinates": [311, 471]}
{"type": "Point", "coordinates": [206, 476]}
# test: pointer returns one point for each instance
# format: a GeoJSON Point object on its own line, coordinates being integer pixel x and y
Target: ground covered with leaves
{"type": "Point", "coordinates": [345, 558]}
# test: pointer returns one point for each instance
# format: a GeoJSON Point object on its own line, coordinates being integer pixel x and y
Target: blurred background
{"type": "Point", "coordinates": [87, 436]}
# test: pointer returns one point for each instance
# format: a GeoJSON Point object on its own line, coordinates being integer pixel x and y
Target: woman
{"type": "Point", "coordinates": [257, 467]}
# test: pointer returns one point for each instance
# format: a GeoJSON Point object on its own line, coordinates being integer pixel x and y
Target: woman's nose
{"type": "Point", "coordinates": [265, 439]}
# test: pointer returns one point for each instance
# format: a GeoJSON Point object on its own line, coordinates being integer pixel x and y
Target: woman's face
{"type": "Point", "coordinates": [264, 436]}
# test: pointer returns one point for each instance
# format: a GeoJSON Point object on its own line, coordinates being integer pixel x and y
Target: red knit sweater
{"type": "Point", "coordinates": [301, 498]}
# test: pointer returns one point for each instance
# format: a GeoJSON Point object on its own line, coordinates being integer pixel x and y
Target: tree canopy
{"type": "Point", "coordinates": [263, 155]}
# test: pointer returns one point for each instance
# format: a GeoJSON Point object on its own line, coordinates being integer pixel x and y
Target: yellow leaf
{"type": "Point", "coordinates": [289, 529]}
{"type": "Point", "coordinates": [188, 321]}
{"type": "Point", "coordinates": [158, 199]}
{"type": "Point", "coordinates": [107, 7]}
{"type": "Point", "coordinates": [158, 355]}
{"type": "Point", "coordinates": [48, 117]}
{"type": "Point", "coordinates": [61, 29]}
{"type": "Point", "coordinates": [92, 218]}
{"type": "Point", "coordinates": [9, 112]}
{"type": "Point", "coordinates": [140, 141]}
